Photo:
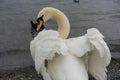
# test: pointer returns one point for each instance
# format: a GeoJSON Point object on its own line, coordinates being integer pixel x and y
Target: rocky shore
{"type": "Point", "coordinates": [29, 73]}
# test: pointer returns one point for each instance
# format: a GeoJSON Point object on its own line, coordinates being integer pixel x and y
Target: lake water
{"type": "Point", "coordinates": [16, 14]}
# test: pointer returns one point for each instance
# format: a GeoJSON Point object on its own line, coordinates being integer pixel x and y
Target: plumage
{"type": "Point", "coordinates": [69, 59]}
{"type": "Point", "coordinates": [96, 49]}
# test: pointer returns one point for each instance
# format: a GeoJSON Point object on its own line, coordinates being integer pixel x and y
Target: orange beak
{"type": "Point", "coordinates": [39, 25]}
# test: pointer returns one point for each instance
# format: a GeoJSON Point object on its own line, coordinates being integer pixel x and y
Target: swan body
{"type": "Point", "coordinates": [69, 59]}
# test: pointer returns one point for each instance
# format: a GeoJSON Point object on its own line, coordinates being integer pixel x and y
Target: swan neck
{"type": "Point", "coordinates": [63, 23]}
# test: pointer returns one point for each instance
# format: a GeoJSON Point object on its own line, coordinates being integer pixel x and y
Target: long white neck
{"type": "Point", "coordinates": [62, 21]}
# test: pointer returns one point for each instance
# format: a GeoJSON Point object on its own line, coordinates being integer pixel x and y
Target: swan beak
{"type": "Point", "coordinates": [39, 25]}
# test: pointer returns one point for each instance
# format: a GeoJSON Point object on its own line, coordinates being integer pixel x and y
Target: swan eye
{"type": "Point", "coordinates": [40, 18]}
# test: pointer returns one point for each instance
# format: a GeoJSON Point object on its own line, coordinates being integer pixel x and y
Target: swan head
{"type": "Point", "coordinates": [37, 27]}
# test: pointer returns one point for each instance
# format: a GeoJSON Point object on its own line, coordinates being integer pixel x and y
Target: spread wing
{"type": "Point", "coordinates": [44, 47]}
{"type": "Point", "coordinates": [94, 51]}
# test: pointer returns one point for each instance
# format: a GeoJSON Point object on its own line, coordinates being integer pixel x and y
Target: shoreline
{"type": "Point", "coordinates": [29, 73]}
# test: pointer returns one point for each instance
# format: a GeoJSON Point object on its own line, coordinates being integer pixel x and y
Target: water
{"type": "Point", "coordinates": [15, 16]}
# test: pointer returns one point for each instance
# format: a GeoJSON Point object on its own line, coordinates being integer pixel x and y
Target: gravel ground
{"type": "Point", "coordinates": [114, 70]}
{"type": "Point", "coordinates": [29, 73]}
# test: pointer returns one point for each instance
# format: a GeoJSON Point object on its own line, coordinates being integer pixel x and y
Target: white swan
{"type": "Point", "coordinates": [68, 59]}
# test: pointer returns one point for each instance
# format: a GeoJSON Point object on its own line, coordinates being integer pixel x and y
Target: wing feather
{"type": "Point", "coordinates": [99, 57]}
{"type": "Point", "coordinates": [94, 47]}
{"type": "Point", "coordinates": [44, 47]}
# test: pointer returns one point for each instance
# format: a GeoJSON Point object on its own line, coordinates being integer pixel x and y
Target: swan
{"type": "Point", "coordinates": [58, 57]}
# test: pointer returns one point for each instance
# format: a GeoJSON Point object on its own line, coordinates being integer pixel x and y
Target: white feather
{"type": "Point", "coordinates": [69, 59]}
{"type": "Point", "coordinates": [61, 65]}
{"type": "Point", "coordinates": [45, 45]}
{"type": "Point", "coordinates": [98, 53]}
